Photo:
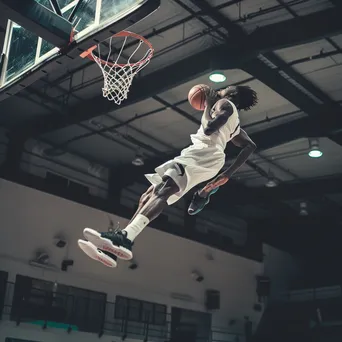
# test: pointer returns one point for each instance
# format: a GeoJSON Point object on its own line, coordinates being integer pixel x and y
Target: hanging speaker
{"type": "Point", "coordinates": [212, 299]}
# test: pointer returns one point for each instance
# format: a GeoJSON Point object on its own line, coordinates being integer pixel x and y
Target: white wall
{"type": "Point", "coordinates": [30, 220]}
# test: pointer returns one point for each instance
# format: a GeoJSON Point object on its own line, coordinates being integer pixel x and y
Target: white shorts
{"type": "Point", "coordinates": [196, 164]}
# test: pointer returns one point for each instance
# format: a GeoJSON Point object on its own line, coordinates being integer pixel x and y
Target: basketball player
{"type": "Point", "coordinates": [198, 163]}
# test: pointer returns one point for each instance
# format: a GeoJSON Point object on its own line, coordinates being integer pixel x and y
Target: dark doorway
{"type": "Point", "coordinates": [3, 287]}
{"type": "Point", "coordinates": [190, 326]}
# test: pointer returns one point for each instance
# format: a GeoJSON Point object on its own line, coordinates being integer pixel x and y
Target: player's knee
{"type": "Point", "coordinates": [145, 197]}
{"type": "Point", "coordinates": [159, 190]}
{"type": "Point", "coordinates": [165, 189]}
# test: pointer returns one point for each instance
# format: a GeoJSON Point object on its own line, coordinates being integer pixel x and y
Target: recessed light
{"type": "Point", "coordinates": [271, 183]}
{"type": "Point", "coordinates": [303, 206]}
{"type": "Point", "coordinates": [138, 161]}
{"type": "Point", "coordinates": [217, 77]}
{"type": "Point", "coordinates": [314, 153]}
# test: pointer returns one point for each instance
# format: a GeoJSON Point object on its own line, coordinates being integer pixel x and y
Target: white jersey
{"type": "Point", "coordinates": [200, 161]}
{"type": "Point", "coordinates": [226, 133]}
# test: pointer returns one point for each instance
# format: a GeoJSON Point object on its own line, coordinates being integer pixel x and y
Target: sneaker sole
{"type": "Point", "coordinates": [92, 252]}
{"type": "Point", "coordinates": [208, 200]}
{"type": "Point", "coordinates": [106, 245]}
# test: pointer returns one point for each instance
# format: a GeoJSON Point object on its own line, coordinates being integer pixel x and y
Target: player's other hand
{"type": "Point", "coordinates": [221, 179]}
{"type": "Point", "coordinates": [211, 96]}
{"type": "Point", "coordinates": [215, 183]}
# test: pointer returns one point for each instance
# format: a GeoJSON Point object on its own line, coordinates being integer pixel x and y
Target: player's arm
{"type": "Point", "coordinates": [221, 115]}
{"type": "Point", "coordinates": [211, 99]}
{"type": "Point", "coordinates": [247, 145]}
{"type": "Point", "coordinates": [243, 141]}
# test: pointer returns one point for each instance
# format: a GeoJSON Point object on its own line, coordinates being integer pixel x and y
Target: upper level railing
{"type": "Point", "coordinates": [310, 294]}
{"type": "Point", "coordinates": [50, 309]}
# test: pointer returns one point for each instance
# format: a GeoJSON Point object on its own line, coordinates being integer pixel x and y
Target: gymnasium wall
{"type": "Point", "coordinates": [282, 268]}
{"type": "Point", "coordinates": [31, 219]}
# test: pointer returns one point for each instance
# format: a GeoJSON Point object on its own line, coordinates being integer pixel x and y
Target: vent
{"type": "Point", "coordinates": [42, 260]}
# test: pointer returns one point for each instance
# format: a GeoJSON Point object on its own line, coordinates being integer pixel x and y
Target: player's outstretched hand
{"type": "Point", "coordinates": [215, 183]}
{"type": "Point", "coordinates": [211, 96]}
{"type": "Point", "coordinates": [202, 198]}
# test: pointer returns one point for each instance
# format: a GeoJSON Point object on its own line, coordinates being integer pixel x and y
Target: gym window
{"type": "Point", "coordinates": [140, 311]}
{"type": "Point", "coordinates": [41, 300]}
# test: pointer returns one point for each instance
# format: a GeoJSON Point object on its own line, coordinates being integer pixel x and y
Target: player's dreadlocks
{"type": "Point", "coordinates": [248, 98]}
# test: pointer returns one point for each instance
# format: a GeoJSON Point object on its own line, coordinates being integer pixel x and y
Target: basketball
{"type": "Point", "coordinates": [196, 96]}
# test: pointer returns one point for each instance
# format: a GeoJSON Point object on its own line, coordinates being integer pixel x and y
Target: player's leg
{"type": "Point", "coordinates": [104, 257]}
{"type": "Point", "coordinates": [142, 201]}
{"type": "Point", "coordinates": [120, 243]}
{"type": "Point", "coordinates": [158, 199]}
{"type": "Point", "coordinates": [94, 253]}
{"type": "Point", "coordinates": [202, 197]}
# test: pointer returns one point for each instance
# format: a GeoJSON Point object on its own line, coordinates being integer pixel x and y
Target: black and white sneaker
{"type": "Point", "coordinates": [94, 253]}
{"type": "Point", "coordinates": [198, 203]}
{"type": "Point", "coordinates": [112, 242]}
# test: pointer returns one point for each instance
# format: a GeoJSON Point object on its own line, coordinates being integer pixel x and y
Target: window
{"type": "Point", "coordinates": [36, 299]}
{"type": "Point", "coordinates": [140, 311]}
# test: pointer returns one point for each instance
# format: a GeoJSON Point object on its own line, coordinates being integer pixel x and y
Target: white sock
{"type": "Point", "coordinates": [136, 226]}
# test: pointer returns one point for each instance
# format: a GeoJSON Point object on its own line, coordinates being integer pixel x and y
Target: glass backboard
{"type": "Point", "coordinates": [24, 50]}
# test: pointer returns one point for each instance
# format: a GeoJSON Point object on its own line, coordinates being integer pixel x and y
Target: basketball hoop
{"type": "Point", "coordinates": [119, 70]}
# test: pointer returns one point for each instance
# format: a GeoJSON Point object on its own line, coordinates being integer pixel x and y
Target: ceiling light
{"type": "Point", "coordinates": [271, 180]}
{"type": "Point", "coordinates": [315, 151]}
{"type": "Point", "coordinates": [138, 160]}
{"type": "Point", "coordinates": [217, 77]}
{"type": "Point", "coordinates": [303, 209]}
{"type": "Point", "coordinates": [271, 183]}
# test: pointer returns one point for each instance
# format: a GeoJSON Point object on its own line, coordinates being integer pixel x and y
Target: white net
{"type": "Point", "coordinates": [117, 76]}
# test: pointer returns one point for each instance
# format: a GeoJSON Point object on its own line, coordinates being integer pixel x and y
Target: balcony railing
{"type": "Point", "coordinates": [49, 309]}
{"type": "Point", "coordinates": [310, 294]}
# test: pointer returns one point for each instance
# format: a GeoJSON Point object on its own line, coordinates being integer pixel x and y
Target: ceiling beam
{"type": "Point", "coordinates": [221, 57]}
{"type": "Point", "coordinates": [300, 79]}
{"type": "Point", "coordinates": [273, 79]}
{"type": "Point", "coordinates": [305, 26]}
{"type": "Point", "coordinates": [270, 76]}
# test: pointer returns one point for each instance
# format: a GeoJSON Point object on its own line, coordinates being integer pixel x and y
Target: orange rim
{"type": "Point", "coordinates": [88, 52]}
